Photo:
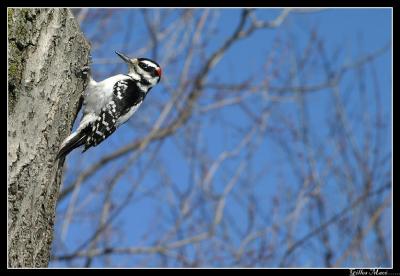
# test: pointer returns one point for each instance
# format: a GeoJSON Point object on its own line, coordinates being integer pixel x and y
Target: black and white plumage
{"type": "Point", "coordinates": [110, 103]}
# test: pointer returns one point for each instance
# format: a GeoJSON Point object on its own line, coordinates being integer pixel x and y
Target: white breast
{"type": "Point", "coordinates": [126, 117]}
{"type": "Point", "coordinates": [99, 94]}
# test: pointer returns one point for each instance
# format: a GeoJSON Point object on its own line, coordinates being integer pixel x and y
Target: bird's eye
{"type": "Point", "coordinates": [143, 66]}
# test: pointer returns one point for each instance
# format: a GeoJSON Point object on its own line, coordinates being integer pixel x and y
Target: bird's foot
{"type": "Point", "coordinates": [83, 72]}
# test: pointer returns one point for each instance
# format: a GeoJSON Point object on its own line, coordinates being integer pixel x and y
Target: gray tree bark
{"type": "Point", "coordinates": [45, 50]}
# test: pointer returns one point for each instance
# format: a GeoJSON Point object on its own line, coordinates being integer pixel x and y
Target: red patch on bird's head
{"type": "Point", "coordinates": [159, 71]}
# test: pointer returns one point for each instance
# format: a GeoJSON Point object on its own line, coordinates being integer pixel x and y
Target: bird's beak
{"type": "Point", "coordinates": [124, 58]}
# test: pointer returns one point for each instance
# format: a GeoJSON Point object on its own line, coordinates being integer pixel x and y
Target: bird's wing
{"type": "Point", "coordinates": [125, 101]}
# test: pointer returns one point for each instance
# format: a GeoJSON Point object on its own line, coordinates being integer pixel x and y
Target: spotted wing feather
{"type": "Point", "coordinates": [126, 95]}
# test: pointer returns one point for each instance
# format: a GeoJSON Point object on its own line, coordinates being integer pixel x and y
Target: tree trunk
{"type": "Point", "coordinates": [45, 50]}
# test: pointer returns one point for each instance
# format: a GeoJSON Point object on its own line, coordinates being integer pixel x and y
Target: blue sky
{"type": "Point", "coordinates": [351, 32]}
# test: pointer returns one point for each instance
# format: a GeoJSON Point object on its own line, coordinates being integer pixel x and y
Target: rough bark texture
{"type": "Point", "coordinates": [45, 50]}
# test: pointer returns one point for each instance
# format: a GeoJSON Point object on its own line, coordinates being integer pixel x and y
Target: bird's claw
{"type": "Point", "coordinates": [83, 72]}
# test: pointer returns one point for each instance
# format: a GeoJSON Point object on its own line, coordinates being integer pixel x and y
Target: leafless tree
{"type": "Point", "coordinates": [324, 200]}
{"type": "Point", "coordinates": [45, 50]}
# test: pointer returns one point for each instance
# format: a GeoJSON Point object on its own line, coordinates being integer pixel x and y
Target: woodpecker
{"type": "Point", "coordinates": [110, 103]}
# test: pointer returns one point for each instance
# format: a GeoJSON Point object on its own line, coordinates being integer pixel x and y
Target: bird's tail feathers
{"type": "Point", "coordinates": [73, 141]}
